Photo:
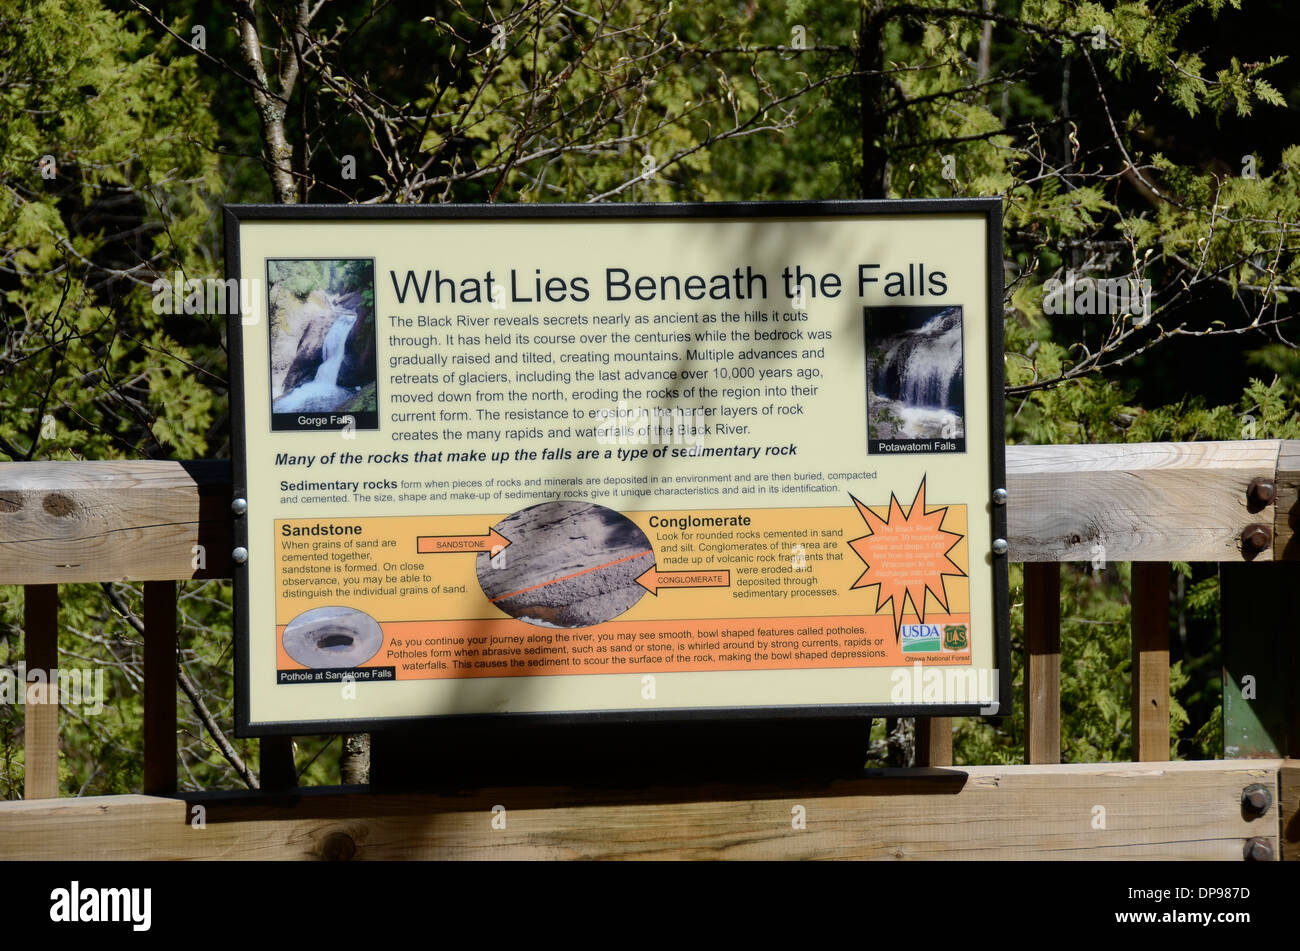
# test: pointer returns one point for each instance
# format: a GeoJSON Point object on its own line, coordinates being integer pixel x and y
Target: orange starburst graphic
{"type": "Point", "coordinates": [906, 555]}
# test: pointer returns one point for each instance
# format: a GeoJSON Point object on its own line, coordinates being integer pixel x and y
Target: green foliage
{"type": "Point", "coordinates": [355, 275]}
{"type": "Point", "coordinates": [100, 749]}
{"type": "Point", "coordinates": [100, 195]}
{"type": "Point", "coordinates": [299, 278]}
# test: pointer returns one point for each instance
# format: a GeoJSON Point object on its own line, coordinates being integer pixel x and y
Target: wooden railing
{"type": "Point", "coordinates": [1235, 503]}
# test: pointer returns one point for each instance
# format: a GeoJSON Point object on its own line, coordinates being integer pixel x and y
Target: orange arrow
{"type": "Point", "coordinates": [653, 579]}
{"type": "Point", "coordinates": [441, 544]}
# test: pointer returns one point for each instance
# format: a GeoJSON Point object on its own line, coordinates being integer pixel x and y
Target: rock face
{"type": "Point", "coordinates": [358, 367]}
{"type": "Point", "coordinates": [569, 564]}
{"type": "Point", "coordinates": [298, 329]}
{"type": "Point", "coordinates": [367, 398]}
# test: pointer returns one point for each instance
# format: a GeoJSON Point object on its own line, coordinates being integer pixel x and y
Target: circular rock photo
{"type": "Point", "coordinates": [333, 637]}
{"type": "Point", "coordinates": [568, 564]}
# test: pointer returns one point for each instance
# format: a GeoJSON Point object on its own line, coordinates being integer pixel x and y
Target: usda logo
{"type": "Point", "coordinates": [918, 638]}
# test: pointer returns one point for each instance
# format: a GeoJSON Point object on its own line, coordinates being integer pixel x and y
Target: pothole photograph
{"type": "Point", "coordinates": [333, 637]}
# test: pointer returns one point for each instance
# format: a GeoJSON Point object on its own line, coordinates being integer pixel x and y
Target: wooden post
{"type": "Point", "coordinates": [934, 741]}
{"type": "Point", "coordinates": [41, 710]}
{"type": "Point", "coordinates": [1150, 661]}
{"type": "Point", "coordinates": [159, 687]}
{"type": "Point", "coordinates": [1288, 781]}
{"type": "Point", "coordinates": [1286, 503]}
{"type": "Point", "coordinates": [1043, 664]}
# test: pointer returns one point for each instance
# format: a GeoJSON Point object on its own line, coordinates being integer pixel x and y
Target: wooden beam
{"type": "Point", "coordinates": [140, 521]}
{"type": "Point", "coordinates": [1286, 505]}
{"type": "Point", "coordinates": [1043, 663]}
{"type": "Point", "coordinates": [41, 709]}
{"type": "Point", "coordinates": [1141, 501]}
{"type": "Point", "coordinates": [159, 687]}
{"type": "Point", "coordinates": [1289, 809]}
{"type": "Point", "coordinates": [113, 521]}
{"type": "Point", "coordinates": [1150, 661]}
{"type": "Point", "coordinates": [934, 741]}
{"type": "Point", "coordinates": [1099, 811]}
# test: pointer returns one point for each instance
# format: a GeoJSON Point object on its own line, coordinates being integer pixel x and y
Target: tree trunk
{"type": "Point", "coordinates": [271, 105]}
{"type": "Point", "coordinates": [986, 46]}
{"type": "Point", "coordinates": [872, 87]}
{"type": "Point", "coordinates": [354, 761]}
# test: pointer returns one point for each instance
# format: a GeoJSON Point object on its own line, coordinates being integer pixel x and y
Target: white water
{"type": "Point", "coordinates": [323, 393]}
{"type": "Point", "coordinates": [927, 361]}
{"type": "Point", "coordinates": [939, 422]}
{"type": "Point", "coordinates": [918, 382]}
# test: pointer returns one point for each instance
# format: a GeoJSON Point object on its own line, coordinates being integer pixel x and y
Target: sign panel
{"type": "Point", "coordinates": [579, 461]}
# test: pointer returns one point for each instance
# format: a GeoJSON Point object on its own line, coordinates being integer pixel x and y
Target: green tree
{"type": "Point", "coordinates": [102, 197]}
{"type": "Point", "coordinates": [109, 175]}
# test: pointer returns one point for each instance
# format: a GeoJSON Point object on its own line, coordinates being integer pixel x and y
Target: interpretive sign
{"type": "Point", "coordinates": [557, 461]}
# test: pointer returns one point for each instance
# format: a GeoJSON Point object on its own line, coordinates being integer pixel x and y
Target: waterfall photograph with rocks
{"type": "Point", "coordinates": [322, 326]}
{"type": "Point", "coordinates": [915, 384]}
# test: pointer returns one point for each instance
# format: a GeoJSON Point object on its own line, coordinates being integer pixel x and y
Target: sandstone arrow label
{"type": "Point", "coordinates": [653, 579]}
{"type": "Point", "coordinates": [493, 541]}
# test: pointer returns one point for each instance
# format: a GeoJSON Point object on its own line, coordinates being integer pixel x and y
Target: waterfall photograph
{"type": "Point", "coordinates": [322, 327]}
{"type": "Point", "coordinates": [916, 399]}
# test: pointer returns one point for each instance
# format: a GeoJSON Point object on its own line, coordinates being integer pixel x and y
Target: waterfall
{"type": "Point", "coordinates": [323, 394]}
{"type": "Point", "coordinates": [917, 389]}
{"type": "Point", "coordinates": [920, 367]}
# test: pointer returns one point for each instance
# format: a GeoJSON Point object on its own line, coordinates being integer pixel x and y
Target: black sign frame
{"type": "Point", "coordinates": [989, 208]}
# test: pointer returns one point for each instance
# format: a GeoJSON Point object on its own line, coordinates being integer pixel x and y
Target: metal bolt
{"type": "Point", "coordinates": [1255, 800]}
{"type": "Point", "coordinates": [999, 546]}
{"type": "Point", "coordinates": [1261, 491]}
{"type": "Point", "coordinates": [239, 555]}
{"type": "Point", "coordinates": [999, 496]}
{"type": "Point", "coordinates": [239, 506]}
{"type": "Point", "coordinates": [1256, 537]}
{"type": "Point", "coordinates": [1258, 850]}
{"type": "Point", "coordinates": [338, 847]}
